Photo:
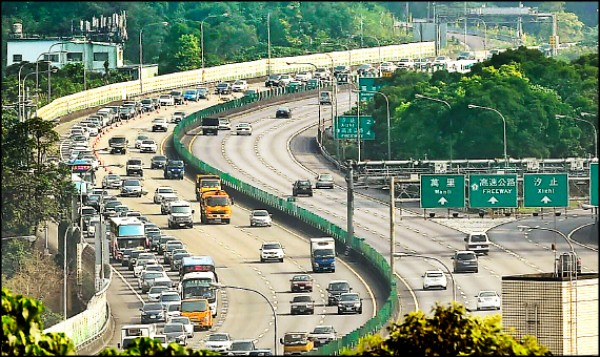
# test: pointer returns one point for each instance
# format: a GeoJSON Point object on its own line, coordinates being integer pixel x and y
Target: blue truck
{"type": "Point", "coordinates": [174, 169]}
{"type": "Point", "coordinates": [322, 254]}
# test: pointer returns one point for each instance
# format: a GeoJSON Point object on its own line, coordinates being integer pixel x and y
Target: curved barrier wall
{"type": "Point", "coordinates": [389, 309]}
{"type": "Point", "coordinates": [124, 90]}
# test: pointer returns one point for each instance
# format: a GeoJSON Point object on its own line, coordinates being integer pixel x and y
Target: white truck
{"type": "Point", "coordinates": [131, 332]}
{"type": "Point", "coordinates": [322, 254]}
{"type": "Point", "coordinates": [180, 215]}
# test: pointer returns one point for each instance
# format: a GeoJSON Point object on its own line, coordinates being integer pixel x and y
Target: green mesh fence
{"type": "Point", "coordinates": [389, 308]}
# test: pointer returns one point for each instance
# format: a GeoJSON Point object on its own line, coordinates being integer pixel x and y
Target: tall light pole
{"type": "Point", "coordinates": [202, 37]}
{"type": "Point", "coordinates": [349, 64]}
{"type": "Point", "coordinates": [471, 106]}
{"type": "Point", "coordinates": [420, 96]}
{"type": "Point", "coordinates": [484, 32]}
{"type": "Point", "coordinates": [400, 255]}
{"type": "Point", "coordinates": [19, 100]}
{"type": "Point", "coordinates": [217, 285]}
{"type": "Point", "coordinates": [378, 49]}
{"type": "Point", "coordinates": [559, 116]}
{"type": "Point", "coordinates": [320, 131]}
{"type": "Point", "coordinates": [268, 43]}
{"type": "Point", "coordinates": [389, 136]}
{"type": "Point", "coordinates": [164, 23]}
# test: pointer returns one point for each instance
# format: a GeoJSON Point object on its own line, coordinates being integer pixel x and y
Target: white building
{"type": "Point", "coordinates": [61, 52]}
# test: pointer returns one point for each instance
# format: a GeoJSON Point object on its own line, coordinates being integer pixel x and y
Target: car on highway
{"type": "Point", "coordinates": [218, 342]}
{"type": "Point", "coordinates": [158, 162]}
{"type": "Point", "coordinates": [465, 261]}
{"type": "Point", "coordinates": [488, 300]}
{"type": "Point", "coordinates": [406, 63]}
{"type": "Point", "coordinates": [325, 98]}
{"type": "Point", "coordinates": [284, 80]}
{"type": "Point", "coordinates": [159, 124]}
{"type": "Point", "coordinates": [148, 105]}
{"type": "Point", "coordinates": [223, 88]}
{"type": "Point", "coordinates": [434, 279]}
{"type": "Point", "coordinates": [243, 129]}
{"type": "Point", "coordinates": [322, 334]}
{"type": "Point", "coordinates": [149, 146]}
{"type": "Point", "coordinates": [177, 117]}
{"type": "Point", "coordinates": [322, 74]}
{"type": "Point", "coordinates": [169, 297]}
{"type": "Point", "coordinates": [260, 218]}
{"type": "Point", "coordinates": [154, 293]}
{"type": "Point", "coordinates": [169, 248]}
{"type": "Point", "coordinates": [151, 312]}
{"type": "Point", "coordinates": [324, 180]}
{"type": "Point", "coordinates": [335, 289]}
{"type": "Point", "coordinates": [441, 61]}
{"type": "Point", "coordinates": [271, 251]}
{"type": "Point", "coordinates": [177, 96]}
{"type": "Point", "coordinates": [241, 347]}
{"type": "Point", "coordinates": [203, 92]}
{"type": "Point", "coordinates": [175, 332]}
{"type": "Point", "coordinates": [349, 302]}
{"type": "Point", "coordinates": [172, 309]}
{"type": "Point", "coordinates": [160, 191]}
{"type": "Point", "coordinates": [273, 80]}
{"type": "Point", "coordinates": [302, 187]}
{"type": "Point", "coordinates": [191, 94]}
{"type": "Point", "coordinates": [239, 86]}
{"type": "Point", "coordinates": [302, 304]}
{"type": "Point", "coordinates": [301, 282]}
{"type": "Point", "coordinates": [177, 258]}
{"type": "Point", "coordinates": [188, 326]}
{"type": "Point", "coordinates": [283, 112]}
{"type": "Point", "coordinates": [139, 139]}
{"type": "Point", "coordinates": [477, 242]}
{"type": "Point", "coordinates": [131, 187]}
{"type": "Point", "coordinates": [387, 67]}
{"type": "Point", "coordinates": [147, 279]}
{"type": "Point", "coordinates": [111, 181]}
{"type": "Point", "coordinates": [165, 202]}
{"type": "Point", "coordinates": [224, 124]}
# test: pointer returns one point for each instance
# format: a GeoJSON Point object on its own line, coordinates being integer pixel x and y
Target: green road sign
{"type": "Point", "coordinates": [545, 190]}
{"type": "Point", "coordinates": [594, 184]}
{"type": "Point", "coordinates": [346, 127]}
{"type": "Point", "coordinates": [493, 191]}
{"type": "Point", "coordinates": [442, 191]}
{"type": "Point", "coordinates": [367, 84]}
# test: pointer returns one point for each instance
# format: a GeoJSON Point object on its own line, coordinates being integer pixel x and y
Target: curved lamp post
{"type": "Point", "coordinates": [471, 106]}
{"type": "Point", "coordinates": [202, 37]}
{"type": "Point", "coordinates": [320, 131]}
{"type": "Point", "coordinates": [420, 96]}
{"type": "Point", "coordinates": [559, 116]}
{"type": "Point", "coordinates": [400, 255]}
{"type": "Point", "coordinates": [217, 285]}
{"type": "Point", "coordinates": [164, 23]}
{"type": "Point", "coordinates": [389, 137]}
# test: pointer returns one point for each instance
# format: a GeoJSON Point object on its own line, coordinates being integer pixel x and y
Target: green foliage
{"type": "Point", "coordinates": [449, 332]}
{"type": "Point", "coordinates": [189, 56]}
{"type": "Point", "coordinates": [145, 346]}
{"type": "Point", "coordinates": [22, 329]}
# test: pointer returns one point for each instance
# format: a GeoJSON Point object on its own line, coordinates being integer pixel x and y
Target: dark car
{"type": "Point", "coordinates": [223, 88]}
{"type": "Point", "coordinates": [174, 169]}
{"type": "Point", "coordinates": [154, 238]}
{"type": "Point", "coordinates": [349, 302]}
{"type": "Point", "coordinates": [335, 289]}
{"type": "Point", "coordinates": [273, 80]}
{"type": "Point", "coordinates": [148, 105]}
{"type": "Point", "coordinates": [465, 261]}
{"type": "Point", "coordinates": [302, 187]}
{"type": "Point", "coordinates": [158, 162]}
{"type": "Point", "coordinates": [152, 312]}
{"type": "Point", "coordinates": [177, 96]}
{"type": "Point", "coordinates": [203, 92]}
{"type": "Point", "coordinates": [302, 304]}
{"type": "Point", "coordinates": [283, 112]}
{"type": "Point", "coordinates": [126, 113]}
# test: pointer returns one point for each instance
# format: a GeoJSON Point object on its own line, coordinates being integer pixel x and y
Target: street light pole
{"type": "Point", "coordinates": [164, 23]}
{"type": "Point", "coordinates": [559, 116]}
{"type": "Point", "coordinates": [202, 37]}
{"type": "Point", "coordinates": [389, 136]}
{"type": "Point", "coordinates": [20, 96]}
{"type": "Point", "coordinates": [217, 285]}
{"type": "Point", "coordinates": [420, 96]}
{"type": "Point", "coordinates": [471, 106]}
{"type": "Point", "coordinates": [269, 43]}
{"type": "Point", "coordinates": [319, 132]}
{"type": "Point", "coordinates": [400, 255]}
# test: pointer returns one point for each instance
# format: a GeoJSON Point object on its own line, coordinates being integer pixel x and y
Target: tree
{"type": "Point", "coordinates": [22, 329]}
{"type": "Point", "coordinates": [449, 332]}
{"type": "Point", "coordinates": [189, 55]}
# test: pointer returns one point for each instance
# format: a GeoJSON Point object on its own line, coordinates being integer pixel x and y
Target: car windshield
{"type": "Point", "coordinates": [165, 190]}
{"type": "Point", "coordinates": [349, 297]}
{"type": "Point", "coordinates": [217, 337]}
{"type": "Point", "coordinates": [304, 298]}
{"type": "Point", "coordinates": [294, 338]}
{"type": "Point", "coordinates": [190, 92]}
{"type": "Point", "coordinates": [181, 209]}
{"type": "Point", "coordinates": [465, 256]}
{"type": "Point", "coordinates": [193, 306]}
{"type": "Point", "coordinates": [303, 183]}
{"type": "Point", "coordinates": [272, 246]}
{"type": "Point", "coordinates": [170, 297]}
{"type": "Point", "coordinates": [141, 137]}
{"type": "Point", "coordinates": [435, 274]}
{"type": "Point", "coordinates": [181, 320]}
{"type": "Point", "coordinates": [339, 286]}
{"type": "Point", "coordinates": [134, 162]}
{"type": "Point", "coordinates": [148, 142]}
{"type": "Point", "coordinates": [159, 158]}
{"type": "Point", "coordinates": [132, 183]}
{"type": "Point", "coordinates": [152, 307]}
{"type": "Point", "coordinates": [487, 294]}
{"type": "Point", "coordinates": [301, 278]}
{"type": "Point", "coordinates": [173, 328]}
{"type": "Point", "coordinates": [260, 213]}
{"type": "Point", "coordinates": [242, 346]}
{"type": "Point", "coordinates": [323, 329]}
{"type": "Point", "coordinates": [325, 177]}
{"type": "Point", "coordinates": [152, 274]}
{"type": "Point", "coordinates": [218, 201]}
{"type": "Point", "coordinates": [478, 238]}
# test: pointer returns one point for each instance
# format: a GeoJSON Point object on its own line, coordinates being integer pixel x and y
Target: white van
{"type": "Point", "coordinates": [477, 242]}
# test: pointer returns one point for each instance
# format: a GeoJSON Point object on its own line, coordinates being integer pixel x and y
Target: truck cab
{"type": "Point", "coordinates": [215, 206]}
{"type": "Point", "coordinates": [180, 215]}
{"type": "Point", "coordinates": [322, 254]}
{"type": "Point", "coordinates": [296, 343]}
{"type": "Point", "coordinates": [198, 310]}
{"type": "Point", "coordinates": [118, 144]}
{"type": "Point", "coordinates": [131, 332]}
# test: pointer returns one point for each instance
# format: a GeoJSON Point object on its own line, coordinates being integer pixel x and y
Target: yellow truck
{"type": "Point", "coordinates": [198, 310]}
{"type": "Point", "coordinates": [296, 343]}
{"type": "Point", "coordinates": [215, 207]}
{"type": "Point", "coordinates": [205, 183]}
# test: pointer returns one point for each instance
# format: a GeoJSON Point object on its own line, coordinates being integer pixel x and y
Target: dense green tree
{"type": "Point", "coordinates": [188, 56]}
{"type": "Point", "coordinates": [449, 332]}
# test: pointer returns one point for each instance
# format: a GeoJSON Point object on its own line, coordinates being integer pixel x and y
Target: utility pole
{"type": "Point", "coordinates": [269, 43]}
{"type": "Point", "coordinates": [392, 225]}
{"type": "Point", "coordinates": [350, 206]}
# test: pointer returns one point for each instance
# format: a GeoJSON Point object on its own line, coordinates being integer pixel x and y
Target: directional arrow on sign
{"type": "Point", "coordinates": [493, 200]}
{"type": "Point", "coordinates": [443, 201]}
{"type": "Point", "coordinates": [546, 200]}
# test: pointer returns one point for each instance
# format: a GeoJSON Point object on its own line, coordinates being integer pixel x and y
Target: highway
{"type": "Point", "coordinates": [235, 248]}
{"type": "Point", "coordinates": [283, 150]}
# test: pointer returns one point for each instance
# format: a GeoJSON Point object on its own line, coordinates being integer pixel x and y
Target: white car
{"type": "Point", "coordinates": [166, 99]}
{"type": "Point", "coordinates": [165, 202]}
{"type": "Point", "coordinates": [304, 76]}
{"type": "Point", "coordinates": [271, 251]}
{"type": "Point", "coordinates": [139, 139]}
{"type": "Point", "coordinates": [154, 292]}
{"type": "Point", "coordinates": [186, 322]}
{"type": "Point", "coordinates": [488, 300]}
{"type": "Point", "coordinates": [387, 67]}
{"type": "Point", "coordinates": [218, 342]}
{"type": "Point", "coordinates": [159, 124]}
{"type": "Point", "coordinates": [434, 279]}
{"type": "Point", "coordinates": [169, 297]}
{"type": "Point", "coordinates": [441, 60]}
{"type": "Point", "coordinates": [406, 63]}
{"type": "Point", "coordinates": [224, 124]}
{"type": "Point", "coordinates": [285, 79]}
{"type": "Point", "coordinates": [149, 146]}
{"type": "Point", "coordinates": [243, 129]}
{"type": "Point", "coordinates": [239, 85]}
{"type": "Point", "coordinates": [260, 217]}
{"type": "Point", "coordinates": [160, 191]}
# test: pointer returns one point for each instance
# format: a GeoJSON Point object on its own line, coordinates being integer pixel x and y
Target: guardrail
{"type": "Point", "coordinates": [124, 90]}
{"type": "Point", "coordinates": [390, 307]}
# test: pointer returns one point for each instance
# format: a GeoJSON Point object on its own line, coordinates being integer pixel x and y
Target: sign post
{"type": "Point", "coordinates": [594, 184]}
{"type": "Point", "coordinates": [545, 190]}
{"type": "Point", "coordinates": [442, 191]}
{"type": "Point", "coordinates": [493, 191]}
